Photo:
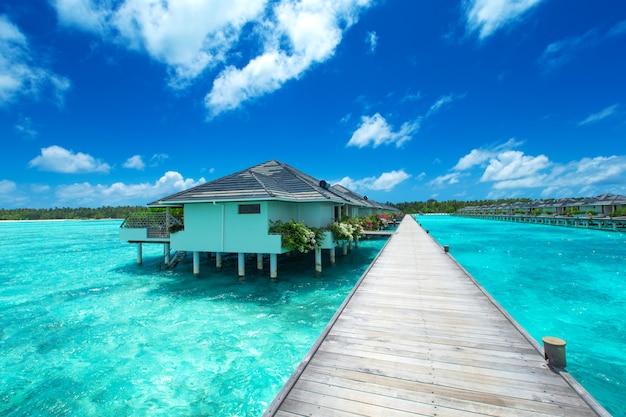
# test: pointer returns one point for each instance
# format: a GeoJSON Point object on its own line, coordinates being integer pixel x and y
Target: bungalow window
{"type": "Point", "coordinates": [249, 208]}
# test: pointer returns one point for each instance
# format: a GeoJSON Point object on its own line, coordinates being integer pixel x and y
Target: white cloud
{"type": "Point", "coordinates": [588, 176]}
{"type": "Point", "coordinates": [603, 114]}
{"type": "Point", "coordinates": [447, 179]}
{"type": "Point", "coordinates": [375, 131]}
{"type": "Point", "coordinates": [191, 36]}
{"type": "Point", "coordinates": [312, 30]}
{"type": "Point", "coordinates": [135, 162]}
{"type": "Point", "coordinates": [7, 186]}
{"type": "Point", "coordinates": [86, 194]}
{"type": "Point", "coordinates": [19, 75]}
{"type": "Point", "coordinates": [387, 181]}
{"type": "Point", "coordinates": [58, 159]}
{"type": "Point", "coordinates": [513, 165]}
{"type": "Point", "coordinates": [511, 171]}
{"type": "Point", "coordinates": [488, 16]}
{"type": "Point", "coordinates": [372, 41]}
{"type": "Point", "coordinates": [83, 14]}
{"type": "Point", "coordinates": [442, 102]}
{"type": "Point", "coordinates": [477, 157]}
{"type": "Point", "coordinates": [158, 158]}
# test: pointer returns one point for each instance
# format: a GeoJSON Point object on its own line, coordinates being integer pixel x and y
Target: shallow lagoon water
{"type": "Point", "coordinates": [84, 331]}
{"type": "Point", "coordinates": [555, 281]}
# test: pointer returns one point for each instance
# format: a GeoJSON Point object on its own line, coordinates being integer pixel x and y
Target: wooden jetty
{"type": "Point", "coordinates": [418, 336]}
{"type": "Point", "coordinates": [593, 222]}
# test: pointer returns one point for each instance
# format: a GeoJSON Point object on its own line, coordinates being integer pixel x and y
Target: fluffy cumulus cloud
{"type": "Point", "coordinates": [190, 37]}
{"type": "Point", "coordinates": [512, 165]}
{"type": "Point", "coordinates": [135, 162]}
{"type": "Point", "coordinates": [7, 187]}
{"type": "Point", "coordinates": [86, 194]}
{"type": "Point", "coordinates": [387, 181]}
{"type": "Point", "coordinates": [510, 171]}
{"type": "Point", "coordinates": [488, 16]}
{"type": "Point", "coordinates": [12, 196]}
{"type": "Point", "coordinates": [20, 75]}
{"type": "Point", "coordinates": [375, 131]}
{"type": "Point", "coordinates": [296, 36]}
{"type": "Point", "coordinates": [58, 159]}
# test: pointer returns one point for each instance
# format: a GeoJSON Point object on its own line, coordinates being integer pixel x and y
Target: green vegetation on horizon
{"type": "Point", "coordinates": [68, 213]}
{"type": "Point", "coordinates": [450, 206]}
{"type": "Point", "coordinates": [121, 212]}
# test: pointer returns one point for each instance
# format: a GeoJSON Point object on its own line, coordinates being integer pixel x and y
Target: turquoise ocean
{"type": "Point", "coordinates": [555, 281]}
{"type": "Point", "coordinates": [84, 331]}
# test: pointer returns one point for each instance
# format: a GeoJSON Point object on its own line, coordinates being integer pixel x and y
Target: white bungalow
{"type": "Point", "coordinates": [232, 214]}
{"type": "Point", "coordinates": [604, 204]}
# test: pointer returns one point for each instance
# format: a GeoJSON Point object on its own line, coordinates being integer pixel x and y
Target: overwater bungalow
{"type": "Point", "coordinates": [602, 205]}
{"type": "Point", "coordinates": [233, 215]}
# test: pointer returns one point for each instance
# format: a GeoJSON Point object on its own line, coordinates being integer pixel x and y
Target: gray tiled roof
{"type": "Point", "coordinates": [272, 180]}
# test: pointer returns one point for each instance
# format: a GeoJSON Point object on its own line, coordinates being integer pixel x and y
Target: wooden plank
{"type": "Point", "coordinates": [418, 336]}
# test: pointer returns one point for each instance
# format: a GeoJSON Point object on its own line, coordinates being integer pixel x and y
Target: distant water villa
{"type": "Point", "coordinates": [233, 214]}
{"type": "Point", "coordinates": [604, 212]}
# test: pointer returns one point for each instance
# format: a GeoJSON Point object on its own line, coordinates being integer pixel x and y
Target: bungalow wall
{"type": "Point", "coordinates": [221, 228]}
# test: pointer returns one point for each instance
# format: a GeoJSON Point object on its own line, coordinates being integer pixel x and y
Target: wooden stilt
{"type": "Point", "coordinates": [332, 256]}
{"type": "Point", "coordinates": [139, 253]}
{"type": "Point", "coordinates": [273, 266]}
{"type": "Point", "coordinates": [318, 260]}
{"type": "Point", "coordinates": [259, 261]}
{"type": "Point", "coordinates": [241, 264]}
{"type": "Point", "coordinates": [166, 253]}
{"type": "Point", "coordinates": [196, 263]}
{"type": "Point", "coordinates": [218, 260]}
{"type": "Point", "coordinates": [344, 247]}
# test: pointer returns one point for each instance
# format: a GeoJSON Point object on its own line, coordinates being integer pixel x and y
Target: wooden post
{"type": "Point", "coordinates": [241, 264]}
{"type": "Point", "coordinates": [196, 263]}
{"type": "Point", "coordinates": [218, 260]}
{"type": "Point", "coordinates": [554, 351]}
{"type": "Point", "coordinates": [332, 256]}
{"type": "Point", "coordinates": [273, 266]}
{"type": "Point", "coordinates": [139, 253]}
{"type": "Point", "coordinates": [318, 260]}
{"type": "Point", "coordinates": [166, 253]}
{"type": "Point", "coordinates": [344, 246]}
{"type": "Point", "coordinates": [259, 261]}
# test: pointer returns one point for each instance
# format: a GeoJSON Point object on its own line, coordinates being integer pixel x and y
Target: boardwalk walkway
{"type": "Point", "coordinates": [418, 336]}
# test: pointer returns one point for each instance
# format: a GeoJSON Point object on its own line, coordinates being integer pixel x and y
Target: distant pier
{"type": "Point", "coordinates": [598, 223]}
{"type": "Point", "coordinates": [419, 336]}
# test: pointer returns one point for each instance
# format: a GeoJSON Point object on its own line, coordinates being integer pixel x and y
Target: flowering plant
{"type": "Point", "coordinates": [349, 230]}
{"type": "Point", "coordinates": [297, 236]}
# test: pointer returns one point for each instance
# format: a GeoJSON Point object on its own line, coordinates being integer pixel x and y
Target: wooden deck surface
{"type": "Point", "coordinates": [418, 336]}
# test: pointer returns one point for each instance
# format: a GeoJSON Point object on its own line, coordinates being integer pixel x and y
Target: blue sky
{"type": "Point", "coordinates": [123, 101]}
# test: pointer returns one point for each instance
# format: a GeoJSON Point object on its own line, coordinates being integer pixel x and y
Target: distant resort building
{"type": "Point", "coordinates": [606, 211]}
{"type": "Point", "coordinates": [233, 214]}
{"type": "Point", "coordinates": [602, 205]}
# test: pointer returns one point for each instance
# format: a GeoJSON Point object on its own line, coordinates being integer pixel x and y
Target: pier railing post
{"type": "Point", "coordinates": [554, 351]}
